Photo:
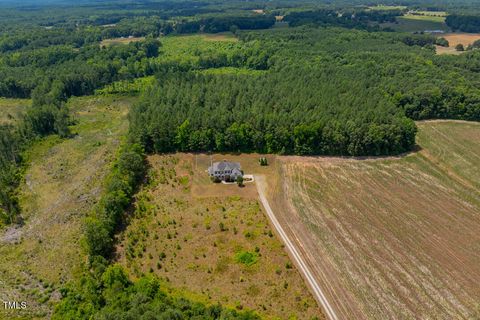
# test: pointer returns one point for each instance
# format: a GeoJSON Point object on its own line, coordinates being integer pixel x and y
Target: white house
{"type": "Point", "coordinates": [225, 170]}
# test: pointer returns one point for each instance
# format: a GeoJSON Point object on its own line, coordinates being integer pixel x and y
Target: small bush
{"type": "Point", "coordinates": [247, 258]}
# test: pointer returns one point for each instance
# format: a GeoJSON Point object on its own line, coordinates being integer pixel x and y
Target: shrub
{"type": "Point", "coordinates": [240, 181]}
{"type": "Point", "coordinates": [247, 258]}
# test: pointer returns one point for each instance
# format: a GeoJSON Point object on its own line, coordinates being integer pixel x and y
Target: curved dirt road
{"type": "Point", "coordinates": [294, 253]}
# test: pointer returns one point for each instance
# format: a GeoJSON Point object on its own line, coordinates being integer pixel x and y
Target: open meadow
{"type": "Point", "coordinates": [63, 179]}
{"type": "Point", "coordinates": [212, 242]}
{"type": "Point", "coordinates": [391, 238]}
{"type": "Point", "coordinates": [11, 109]}
{"type": "Point", "coordinates": [417, 23]}
{"type": "Point", "coordinates": [120, 41]}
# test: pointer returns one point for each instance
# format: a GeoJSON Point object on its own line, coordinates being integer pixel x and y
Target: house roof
{"type": "Point", "coordinates": [224, 165]}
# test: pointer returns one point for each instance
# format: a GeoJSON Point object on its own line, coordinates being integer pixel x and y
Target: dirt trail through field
{"type": "Point", "coordinates": [296, 254]}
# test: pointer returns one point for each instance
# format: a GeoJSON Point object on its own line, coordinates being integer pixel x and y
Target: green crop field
{"type": "Point", "coordinates": [412, 23]}
{"type": "Point", "coordinates": [424, 17]}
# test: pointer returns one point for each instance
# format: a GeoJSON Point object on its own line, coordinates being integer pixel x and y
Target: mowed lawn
{"type": "Point", "coordinates": [392, 238]}
{"type": "Point", "coordinates": [63, 180]}
{"type": "Point", "coordinates": [212, 242]}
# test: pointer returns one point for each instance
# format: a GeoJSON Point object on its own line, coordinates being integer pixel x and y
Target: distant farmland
{"type": "Point", "coordinates": [393, 238]}
{"type": "Point", "coordinates": [412, 23]}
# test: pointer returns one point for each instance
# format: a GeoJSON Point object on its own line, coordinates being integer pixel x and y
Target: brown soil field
{"type": "Point", "coordinates": [392, 238]}
{"type": "Point", "coordinates": [461, 38]}
{"type": "Point", "coordinates": [191, 232]}
{"type": "Point", "coordinates": [457, 38]}
{"type": "Point", "coordinates": [63, 180]}
{"type": "Point", "coordinates": [447, 50]}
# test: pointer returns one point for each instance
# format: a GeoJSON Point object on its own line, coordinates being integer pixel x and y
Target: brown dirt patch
{"type": "Point", "coordinates": [461, 38]}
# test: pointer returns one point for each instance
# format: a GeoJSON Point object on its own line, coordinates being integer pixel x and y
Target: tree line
{"type": "Point", "coordinates": [359, 19]}
{"type": "Point", "coordinates": [464, 23]}
{"type": "Point", "coordinates": [288, 112]}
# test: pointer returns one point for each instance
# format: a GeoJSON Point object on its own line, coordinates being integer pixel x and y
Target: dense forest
{"type": "Point", "coordinates": [192, 112]}
{"type": "Point", "coordinates": [463, 23]}
{"type": "Point", "coordinates": [325, 91]}
{"type": "Point", "coordinates": [359, 19]}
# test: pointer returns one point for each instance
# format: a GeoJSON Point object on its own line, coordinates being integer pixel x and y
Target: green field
{"type": "Point", "coordinates": [424, 17]}
{"type": "Point", "coordinates": [189, 48]}
{"type": "Point", "coordinates": [412, 23]}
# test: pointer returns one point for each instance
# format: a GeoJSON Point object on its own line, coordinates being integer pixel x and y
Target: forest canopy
{"type": "Point", "coordinates": [324, 91]}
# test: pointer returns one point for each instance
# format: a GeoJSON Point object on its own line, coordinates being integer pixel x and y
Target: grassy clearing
{"type": "Point", "coordinates": [189, 48]}
{"type": "Point", "coordinates": [222, 37]}
{"type": "Point", "coordinates": [232, 70]}
{"type": "Point", "coordinates": [432, 13]}
{"type": "Point", "coordinates": [454, 39]}
{"type": "Point", "coordinates": [120, 41]}
{"type": "Point", "coordinates": [62, 182]}
{"type": "Point", "coordinates": [393, 238]}
{"type": "Point", "coordinates": [212, 242]}
{"type": "Point", "coordinates": [424, 17]}
{"type": "Point", "coordinates": [447, 50]}
{"type": "Point", "coordinates": [409, 24]}
{"type": "Point", "coordinates": [386, 8]}
{"type": "Point", "coordinates": [11, 109]}
{"type": "Point", "coordinates": [127, 87]}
